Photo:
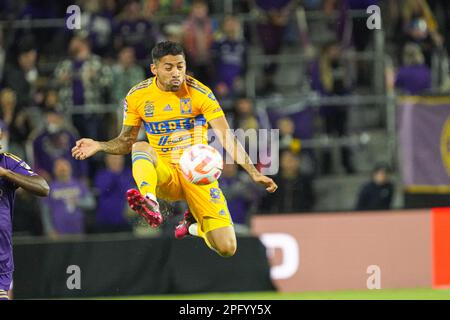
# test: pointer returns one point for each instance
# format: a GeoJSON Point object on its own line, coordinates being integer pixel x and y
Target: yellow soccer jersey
{"type": "Point", "coordinates": [173, 120]}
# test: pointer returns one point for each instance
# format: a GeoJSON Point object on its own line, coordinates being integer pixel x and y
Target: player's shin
{"type": "Point", "coordinates": [144, 174]}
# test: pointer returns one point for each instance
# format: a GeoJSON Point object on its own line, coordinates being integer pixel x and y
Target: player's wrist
{"type": "Point", "coordinates": [99, 146]}
{"type": "Point", "coordinates": [254, 173]}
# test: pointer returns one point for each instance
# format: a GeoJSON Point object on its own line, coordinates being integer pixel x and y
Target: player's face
{"type": "Point", "coordinates": [170, 72]}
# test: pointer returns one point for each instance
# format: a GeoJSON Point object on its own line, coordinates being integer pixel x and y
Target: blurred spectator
{"type": "Point", "coordinates": [4, 137]}
{"type": "Point", "coordinates": [290, 139]}
{"type": "Point", "coordinates": [17, 121]}
{"type": "Point", "coordinates": [2, 56]}
{"type": "Point", "coordinates": [37, 10]}
{"type": "Point", "coordinates": [249, 121]}
{"type": "Point", "coordinates": [198, 39]}
{"type": "Point", "coordinates": [51, 100]}
{"type": "Point", "coordinates": [331, 76]}
{"type": "Point", "coordinates": [64, 209]}
{"type": "Point", "coordinates": [22, 75]}
{"type": "Point", "coordinates": [52, 142]}
{"type": "Point", "coordinates": [134, 30]}
{"type": "Point", "coordinates": [83, 80]}
{"type": "Point", "coordinates": [98, 24]}
{"type": "Point", "coordinates": [414, 76]}
{"type": "Point", "coordinates": [8, 106]}
{"type": "Point", "coordinates": [273, 17]}
{"type": "Point", "coordinates": [230, 55]}
{"type": "Point", "coordinates": [420, 26]}
{"type": "Point", "coordinates": [125, 73]}
{"type": "Point", "coordinates": [7, 10]}
{"type": "Point", "coordinates": [443, 7]}
{"type": "Point", "coordinates": [295, 190]}
{"type": "Point", "coordinates": [173, 32]}
{"type": "Point", "coordinates": [350, 30]}
{"type": "Point", "coordinates": [111, 184]}
{"type": "Point", "coordinates": [166, 7]}
{"type": "Point", "coordinates": [242, 195]}
{"type": "Point", "coordinates": [287, 139]}
{"type": "Point", "coordinates": [46, 98]}
{"type": "Point", "coordinates": [376, 194]}
{"type": "Point", "coordinates": [245, 116]}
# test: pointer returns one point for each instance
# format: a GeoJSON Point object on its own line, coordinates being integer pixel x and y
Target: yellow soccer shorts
{"type": "Point", "coordinates": [206, 202]}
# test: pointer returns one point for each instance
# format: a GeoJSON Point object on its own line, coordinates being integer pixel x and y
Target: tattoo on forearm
{"type": "Point", "coordinates": [123, 143]}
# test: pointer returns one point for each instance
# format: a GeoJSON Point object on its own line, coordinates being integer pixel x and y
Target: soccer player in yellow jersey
{"type": "Point", "coordinates": [176, 110]}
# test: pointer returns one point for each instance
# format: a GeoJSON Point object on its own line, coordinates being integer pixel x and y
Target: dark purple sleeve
{"type": "Point", "coordinates": [17, 165]}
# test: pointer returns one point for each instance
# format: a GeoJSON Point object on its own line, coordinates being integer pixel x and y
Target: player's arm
{"type": "Point", "coordinates": [238, 153]}
{"type": "Point", "coordinates": [34, 184]}
{"type": "Point", "coordinates": [122, 144]}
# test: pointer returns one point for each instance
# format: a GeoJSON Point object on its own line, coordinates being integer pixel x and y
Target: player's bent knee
{"type": "Point", "coordinates": [227, 248]}
{"type": "Point", "coordinates": [142, 146]}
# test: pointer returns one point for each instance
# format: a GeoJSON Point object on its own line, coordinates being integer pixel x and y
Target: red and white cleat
{"type": "Point", "coordinates": [182, 230]}
{"type": "Point", "coordinates": [147, 208]}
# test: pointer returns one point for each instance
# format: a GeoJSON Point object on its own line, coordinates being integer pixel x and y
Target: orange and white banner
{"type": "Point", "coordinates": [351, 251]}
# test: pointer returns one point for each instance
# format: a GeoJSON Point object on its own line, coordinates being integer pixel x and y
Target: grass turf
{"type": "Point", "coordinates": [383, 294]}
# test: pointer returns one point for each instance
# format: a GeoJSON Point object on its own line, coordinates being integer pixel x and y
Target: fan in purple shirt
{"type": "Point", "coordinates": [14, 173]}
{"type": "Point", "coordinates": [414, 76]}
{"type": "Point", "coordinates": [111, 183]}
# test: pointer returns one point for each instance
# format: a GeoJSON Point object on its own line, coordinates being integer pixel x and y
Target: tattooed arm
{"type": "Point", "coordinates": [122, 144]}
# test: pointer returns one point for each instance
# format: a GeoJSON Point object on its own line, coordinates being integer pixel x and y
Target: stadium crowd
{"type": "Point", "coordinates": [57, 85]}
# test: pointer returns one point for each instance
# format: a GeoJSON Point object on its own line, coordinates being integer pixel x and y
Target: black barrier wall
{"type": "Point", "coordinates": [136, 267]}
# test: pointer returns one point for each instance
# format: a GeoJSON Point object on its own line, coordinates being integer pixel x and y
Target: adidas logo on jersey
{"type": "Point", "coordinates": [168, 108]}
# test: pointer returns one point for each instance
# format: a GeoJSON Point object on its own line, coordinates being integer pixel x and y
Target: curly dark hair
{"type": "Point", "coordinates": [165, 48]}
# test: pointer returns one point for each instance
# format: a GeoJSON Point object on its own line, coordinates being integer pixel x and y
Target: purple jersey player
{"type": "Point", "coordinates": [14, 173]}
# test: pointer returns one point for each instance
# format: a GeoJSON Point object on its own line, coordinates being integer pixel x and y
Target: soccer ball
{"type": "Point", "coordinates": [201, 164]}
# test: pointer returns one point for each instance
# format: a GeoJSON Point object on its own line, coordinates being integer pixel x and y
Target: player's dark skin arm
{"type": "Point", "coordinates": [240, 156]}
{"type": "Point", "coordinates": [121, 145]}
{"type": "Point", "coordinates": [34, 184]}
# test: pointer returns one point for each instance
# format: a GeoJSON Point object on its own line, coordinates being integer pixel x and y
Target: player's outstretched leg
{"type": "Point", "coordinates": [144, 201]}
{"type": "Point", "coordinates": [221, 240]}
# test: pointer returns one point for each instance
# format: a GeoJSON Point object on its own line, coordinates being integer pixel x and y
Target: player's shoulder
{"type": "Point", "coordinates": [11, 157]}
{"type": "Point", "coordinates": [13, 162]}
{"type": "Point", "coordinates": [140, 87]}
{"type": "Point", "coordinates": [196, 86]}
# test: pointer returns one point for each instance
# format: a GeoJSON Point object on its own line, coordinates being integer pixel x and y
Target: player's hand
{"type": "Point", "coordinates": [85, 148]}
{"type": "Point", "coordinates": [267, 182]}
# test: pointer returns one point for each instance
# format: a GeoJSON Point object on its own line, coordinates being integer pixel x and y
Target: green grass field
{"type": "Point", "coordinates": [388, 294]}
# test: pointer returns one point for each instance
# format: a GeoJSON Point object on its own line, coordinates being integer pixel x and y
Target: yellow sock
{"type": "Point", "coordinates": [144, 173]}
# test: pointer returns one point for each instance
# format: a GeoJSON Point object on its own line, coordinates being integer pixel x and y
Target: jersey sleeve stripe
{"type": "Point", "coordinates": [12, 156]}
{"type": "Point", "coordinates": [197, 88]}
{"type": "Point", "coordinates": [141, 85]}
